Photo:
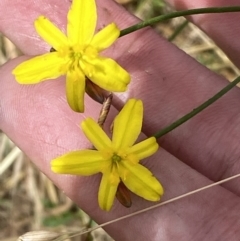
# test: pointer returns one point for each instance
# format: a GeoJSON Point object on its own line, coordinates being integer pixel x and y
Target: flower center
{"type": "Point", "coordinates": [80, 57]}
{"type": "Point", "coordinates": [116, 158]}
{"type": "Point", "coordinates": [75, 54]}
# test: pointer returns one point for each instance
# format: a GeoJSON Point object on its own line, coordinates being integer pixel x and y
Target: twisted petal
{"type": "Point", "coordinates": [39, 68]}
{"type": "Point", "coordinates": [95, 134]}
{"type": "Point", "coordinates": [75, 89]}
{"type": "Point", "coordinates": [144, 148]}
{"type": "Point", "coordinates": [106, 37]}
{"type": "Point", "coordinates": [82, 19]}
{"type": "Point", "coordinates": [106, 73]}
{"type": "Point", "coordinates": [140, 180]}
{"type": "Point", "coordinates": [86, 162]}
{"type": "Point", "coordinates": [107, 190]}
{"type": "Point", "coordinates": [128, 124]}
{"type": "Point", "coordinates": [50, 33]}
{"type": "Point", "coordinates": [95, 92]}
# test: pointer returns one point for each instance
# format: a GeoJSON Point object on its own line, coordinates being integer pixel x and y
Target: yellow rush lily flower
{"type": "Point", "coordinates": [117, 159]}
{"type": "Point", "coordinates": [76, 55]}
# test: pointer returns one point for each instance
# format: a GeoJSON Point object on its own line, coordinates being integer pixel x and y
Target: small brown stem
{"type": "Point", "coordinates": [105, 109]}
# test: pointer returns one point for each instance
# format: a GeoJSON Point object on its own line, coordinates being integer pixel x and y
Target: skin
{"type": "Point", "coordinates": [170, 83]}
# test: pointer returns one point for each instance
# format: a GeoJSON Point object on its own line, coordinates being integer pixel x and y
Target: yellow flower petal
{"type": "Point", "coordinates": [128, 124]}
{"type": "Point", "coordinates": [82, 19]}
{"type": "Point", "coordinates": [85, 162]}
{"type": "Point", "coordinates": [39, 68]}
{"type": "Point", "coordinates": [95, 134]}
{"type": "Point", "coordinates": [105, 37]}
{"type": "Point", "coordinates": [106, 73]}
{"type": "Point", "coordinates": [50, 33]}
{"type": "Point", "coordinates": [75, 89]}
{"type": "Point", "coordinates": [140, 181]}
{"type": "Point", "coordinates": [144, 148]}
{"type": "Point", "coordinates": [107, 190]}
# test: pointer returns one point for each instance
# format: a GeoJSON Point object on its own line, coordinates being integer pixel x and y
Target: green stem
{"type": "Point", "coordinates": [198, 109]}
{"type": "Point", "coordinates": [178, 14]}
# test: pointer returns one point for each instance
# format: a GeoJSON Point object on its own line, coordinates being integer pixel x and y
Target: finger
{"type": "Point", "coordinates": [171, 84]}
{"type": "Point", "coordinates": [222, 28]}
{"type": "Point", "coordinates": [46, 127]}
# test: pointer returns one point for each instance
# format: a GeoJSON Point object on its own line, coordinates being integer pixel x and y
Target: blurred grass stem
{"type": "Point", "coordinates": [178, 30]}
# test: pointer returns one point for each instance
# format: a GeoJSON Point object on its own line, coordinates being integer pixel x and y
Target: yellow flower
{"type": "Point", "coordinates": [76, 55]}
{"type": "Point", "coordinates": [118, 160]}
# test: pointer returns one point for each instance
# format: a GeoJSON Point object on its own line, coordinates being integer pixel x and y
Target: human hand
{"type": "Point", "coordinates": [170, 83]}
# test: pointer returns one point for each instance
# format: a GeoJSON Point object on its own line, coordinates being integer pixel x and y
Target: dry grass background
{"type": "Point", "coordinates": [43, 206]}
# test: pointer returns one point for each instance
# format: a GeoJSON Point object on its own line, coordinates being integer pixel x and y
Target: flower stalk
{"type": "Point", "coordinates": [177, 14]}
{"type": "Point", "coordinates": [198, 109]}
